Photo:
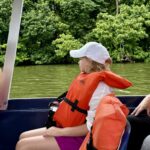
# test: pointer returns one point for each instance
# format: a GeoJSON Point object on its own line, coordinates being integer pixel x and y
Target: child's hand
{"type": "Point", "coordinates": [53, 131]}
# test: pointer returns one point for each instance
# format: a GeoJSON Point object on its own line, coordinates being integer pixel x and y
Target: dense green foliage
{"type": "Point", "coordinates": [50, 28]}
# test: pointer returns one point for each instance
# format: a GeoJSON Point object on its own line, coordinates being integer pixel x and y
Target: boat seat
{"type": "Point", "coordinates": [125, 137]}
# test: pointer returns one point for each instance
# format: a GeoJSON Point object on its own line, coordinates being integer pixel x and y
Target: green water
{"type": "Point", "coordinates": [52, 80]}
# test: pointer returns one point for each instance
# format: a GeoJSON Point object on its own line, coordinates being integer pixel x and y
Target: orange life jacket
{"type": "Point", "coordinates": [108, 126]}
{"type": "Point", "coordinates": [72, 111]}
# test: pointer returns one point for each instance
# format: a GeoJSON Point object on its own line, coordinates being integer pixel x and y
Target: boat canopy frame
{"type": "Point", "coordinates": [10, 55]}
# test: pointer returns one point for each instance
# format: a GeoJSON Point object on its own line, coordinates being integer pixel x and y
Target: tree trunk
{"type": "Point", "coordinates": [117, 7]}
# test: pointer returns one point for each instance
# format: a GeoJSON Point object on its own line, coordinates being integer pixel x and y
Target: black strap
{"type": "Point", "coordinates": [60, 98]}
{"type": "Point", "coordinates": [90, 145]}
{"type": "Point", "coordinates": [74, 106]}
{"type": "Point", "coordinates": [50, 122]}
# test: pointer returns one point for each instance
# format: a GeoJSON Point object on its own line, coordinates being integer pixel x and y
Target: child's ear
{"type": "Point", "coordinates": [108, 61]}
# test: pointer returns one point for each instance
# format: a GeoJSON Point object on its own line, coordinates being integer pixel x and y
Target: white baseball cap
{"type": "Point", "coordinates": [93, 50]}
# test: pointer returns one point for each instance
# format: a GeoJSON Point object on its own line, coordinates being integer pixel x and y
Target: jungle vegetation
{"type": "Point", "coordinates": [50, 28]}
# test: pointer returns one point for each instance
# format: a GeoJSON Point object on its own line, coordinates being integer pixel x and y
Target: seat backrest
{"type": "Point", "coordinates": [125, 137]}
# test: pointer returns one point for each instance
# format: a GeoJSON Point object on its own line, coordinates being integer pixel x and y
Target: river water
{"type": "Point", "coordinates": [52, 80]}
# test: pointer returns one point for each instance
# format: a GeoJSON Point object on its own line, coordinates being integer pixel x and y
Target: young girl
{"type": "Point", "coordinates": [76, 112]}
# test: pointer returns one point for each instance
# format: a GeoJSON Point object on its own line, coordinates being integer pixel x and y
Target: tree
{"type": "Point", "coordinates": [63, 45]}
{"type": "Point", "coordinates": [40, 26]}
{"type": "Point", "coordinates": [123, 33]}
{"type": "Point", "coordinates": [5, 12]}
{"type": "Point", "coordinates": [78, 14]}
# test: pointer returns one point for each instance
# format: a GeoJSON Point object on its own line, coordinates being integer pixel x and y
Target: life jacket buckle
{"type": "Point", "coordinates": [74, 105]}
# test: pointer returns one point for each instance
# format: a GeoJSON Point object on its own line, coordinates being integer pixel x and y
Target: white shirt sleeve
{"type": "Point", "coordinates": [101, 91]}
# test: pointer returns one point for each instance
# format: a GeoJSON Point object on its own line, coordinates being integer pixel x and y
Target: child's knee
{"type": "Point", "coordinates": [22, 135]}
{"type": "Point", "coordinates": [24, 144]}
{"type": "Point", "coordinates": [20, 145]}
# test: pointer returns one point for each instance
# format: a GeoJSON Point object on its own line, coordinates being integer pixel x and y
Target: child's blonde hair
{"type": "Point", "coordinates": [95, 66]}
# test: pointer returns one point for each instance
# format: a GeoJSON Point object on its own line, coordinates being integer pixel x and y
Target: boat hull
{"type": "Point", "coordinates": [27, 114]}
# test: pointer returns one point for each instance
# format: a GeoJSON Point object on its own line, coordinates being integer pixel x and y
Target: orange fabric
{"type": "Point", "coordinates": [82, 89]}
{"type": "Point", "coordinates": [84, 144]}
{"type": "Point", "coordinates": [110, 78]}
{"type": "Point", "coordinates": [109, 124]}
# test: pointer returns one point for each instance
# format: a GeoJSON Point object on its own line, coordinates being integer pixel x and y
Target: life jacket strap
{"type": "Point", "coordinates": [60, 97]}
{"type": "Point", "coordinates": [89, 145]}
{"type": "Point", "coordinates": [74, 105]}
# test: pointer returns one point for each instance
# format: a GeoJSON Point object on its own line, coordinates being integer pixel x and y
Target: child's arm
{"type": "Point", "coordinates": [68, 131]}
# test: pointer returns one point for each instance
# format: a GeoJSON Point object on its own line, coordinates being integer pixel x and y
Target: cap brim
{"type": "Point", "coordinates": [77, 53]}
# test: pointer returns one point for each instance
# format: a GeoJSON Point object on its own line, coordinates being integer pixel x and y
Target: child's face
{"type": "Point", "coordinates": [85, 64]}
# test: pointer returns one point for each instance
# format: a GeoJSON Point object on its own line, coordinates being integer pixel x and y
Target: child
{"type": "Point", "coordinates": [76, 112]}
